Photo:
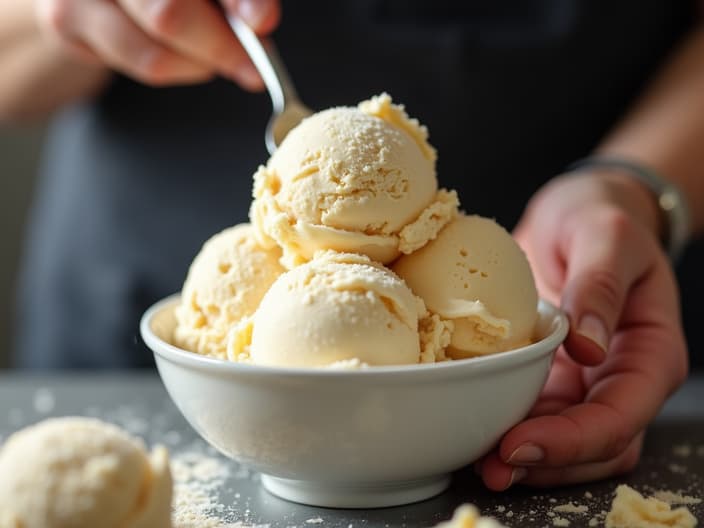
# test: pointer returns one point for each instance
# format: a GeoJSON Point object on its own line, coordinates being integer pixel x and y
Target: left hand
{"type": "Point", "coordinates": [593, 254]}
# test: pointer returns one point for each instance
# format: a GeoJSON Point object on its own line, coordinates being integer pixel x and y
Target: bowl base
{"type": "Point", "coordinates": [355, 496]}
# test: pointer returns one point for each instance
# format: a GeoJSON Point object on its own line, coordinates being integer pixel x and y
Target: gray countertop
{"type": "Point", "coordinates": [673, 458]}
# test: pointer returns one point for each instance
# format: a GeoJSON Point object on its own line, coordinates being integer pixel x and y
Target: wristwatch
{"type": "Point", "coordinates": [668, 196]}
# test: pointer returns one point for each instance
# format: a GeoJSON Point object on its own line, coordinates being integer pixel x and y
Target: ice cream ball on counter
{"type": "Point", "coordinates": [82, 473]}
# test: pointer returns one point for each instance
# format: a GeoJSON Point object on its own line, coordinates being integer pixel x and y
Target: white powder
{"type": "Point", "coordinates": [172, 438]}
{"type": "Point", "coordinates": [683, 450]}
{"type": "Point", "coordinates": [675, 498]}
{"type": "Point", "coordinates": [197, 478]}
{"type": "Point", "coordinates": [677, 468]}
{"type": "Point", "coordinates": [314, 520]}
{"type": "Point", "coordinates": [44, 401]}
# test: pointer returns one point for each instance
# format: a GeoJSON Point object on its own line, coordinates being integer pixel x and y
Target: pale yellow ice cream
{"type": "Point", "coordinates": [630, 509]}
{"type": "Point", "coordinates": [475, 275]}
{"type": "Point", "coordinates": [224, 286]}
{"type": "Point", "coordinates": [82, 473]}
{"type": "Point", "coordinates": [359, 180]}
{"type": "Point", "coordinates": [343, 308]}
{"type": "Point", "coordinates": [467, 516]}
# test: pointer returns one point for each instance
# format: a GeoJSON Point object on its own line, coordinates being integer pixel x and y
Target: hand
{"type": "Point", "coordinates": [160, 42]}
{"type": "Point", "coordinates": [593, 250]}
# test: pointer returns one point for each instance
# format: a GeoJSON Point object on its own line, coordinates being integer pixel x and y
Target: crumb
{"type": "Point", "coordinates": [570, 508]}
{"type": "Point", "coordinates": [677, 468]}
{"type": "Point", "coordinates": [683, 450]}
{"type": "Point", "coordinates": [314, 520]}
{"type": "Point", "coordinates": [44, 401]}
{"type": "Point", "coordinates": [553, 500]}
{"type": "Point", "coordinates": [560, 521]}
{"type": "Point", "coordinates": [588, 495]}
{"type": "Point", "coordinates": [467, 516]}
{"type": "Point", "coordinates": [501, 509]}
{"type": "Point", "coordinates": [630, 508]}
{"type": "Point", "coordinates": [675, 498]}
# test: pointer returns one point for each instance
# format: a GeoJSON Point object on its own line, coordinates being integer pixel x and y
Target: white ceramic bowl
{"type": "Point", "coordinates": [357, 439]}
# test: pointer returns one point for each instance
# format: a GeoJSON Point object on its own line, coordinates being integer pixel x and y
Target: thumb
{"type": "Point", "coordinates": [261, 15]}
{"type": "Point", "coordinates": [604, 256]}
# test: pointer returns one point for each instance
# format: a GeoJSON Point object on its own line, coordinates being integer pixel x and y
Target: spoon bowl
{"type": "Point", "coordinates": [287, 108]}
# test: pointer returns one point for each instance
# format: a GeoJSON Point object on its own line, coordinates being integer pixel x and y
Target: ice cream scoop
{"type": "Point", "coordinates": [343, 308]}
{"type": "Point", "coordinates": [82, 473]}
{"type": "Point", "coordinates": [476, 275]}
{"type": "Point", "coordinates": [358, 180]}
{"type": "Point", "coordinates": [224, 286]}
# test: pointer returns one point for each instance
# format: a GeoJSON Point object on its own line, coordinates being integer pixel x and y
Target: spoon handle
{"type": "Point", "coordinates": [267, 61]}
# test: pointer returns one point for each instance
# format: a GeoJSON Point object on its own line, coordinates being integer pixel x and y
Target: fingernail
{"type": "Point", "coordinates": [527, 454]}
{"type": "Point", "coordinates": [252, 12]}
{"type": "Point", "coordinates": [517, 475]}
{"type": "Point", "coordinates": [592, 327]}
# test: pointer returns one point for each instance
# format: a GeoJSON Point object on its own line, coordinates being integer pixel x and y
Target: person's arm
{"type": "Point", "coordinates": [55, 51]}
{"type": "Point", "coordinates": [665, 129]}
{"type": "Point", "coordinates": [593, 238]}
{"type": "Point", "coordinates": [38, 75]}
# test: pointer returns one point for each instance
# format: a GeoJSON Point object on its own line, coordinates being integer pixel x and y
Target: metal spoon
{"type": "Point", "coordinates": [288, 110]}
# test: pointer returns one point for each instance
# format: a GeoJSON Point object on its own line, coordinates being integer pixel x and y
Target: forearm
{"type": "Point", "coordinates": [38, 76]}
{"type": "Point", "coordinates": [665, 128]}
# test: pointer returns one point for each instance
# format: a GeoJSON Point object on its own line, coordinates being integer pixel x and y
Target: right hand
{"type": "Point", "coordinates": [160, 42]}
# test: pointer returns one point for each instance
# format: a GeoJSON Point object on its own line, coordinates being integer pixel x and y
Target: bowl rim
{"type": "Point", "coordinates": [510, 358]}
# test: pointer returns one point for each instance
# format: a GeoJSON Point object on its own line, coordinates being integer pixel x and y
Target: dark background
{"type": "Point", "coordinates": [19, 152]}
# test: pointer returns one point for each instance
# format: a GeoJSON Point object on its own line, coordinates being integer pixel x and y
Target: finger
{"type": "Point", "coordinates": [56, 20]}
{"type": "Point", "coordinates": [617, 409]}
{"type": "Point", "coordinates": [622, 463]}
{"type": "Point", "coordinates": [547, 265]}
{"type": "Point", "coordinates": [124, 46]}
{"type": "Point", "coordinates": [261, 15]}
{"type": "Point", "coordinates": [605, 257]}
{"type": "Point", "coordinates": [197, 29]}
{"type": "Point", "coordinates": [563, 388]}
{"type": "Point", "coordinates": [498, 476]}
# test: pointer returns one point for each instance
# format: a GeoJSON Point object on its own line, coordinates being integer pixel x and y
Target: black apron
{"type": "Point", "coordinates": [133, 182]}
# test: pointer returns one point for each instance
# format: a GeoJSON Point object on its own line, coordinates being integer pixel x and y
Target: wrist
{"type": "Point", "coordinates": [635, 198]}
{"type": "Point", "coordinates": [648, 198]}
